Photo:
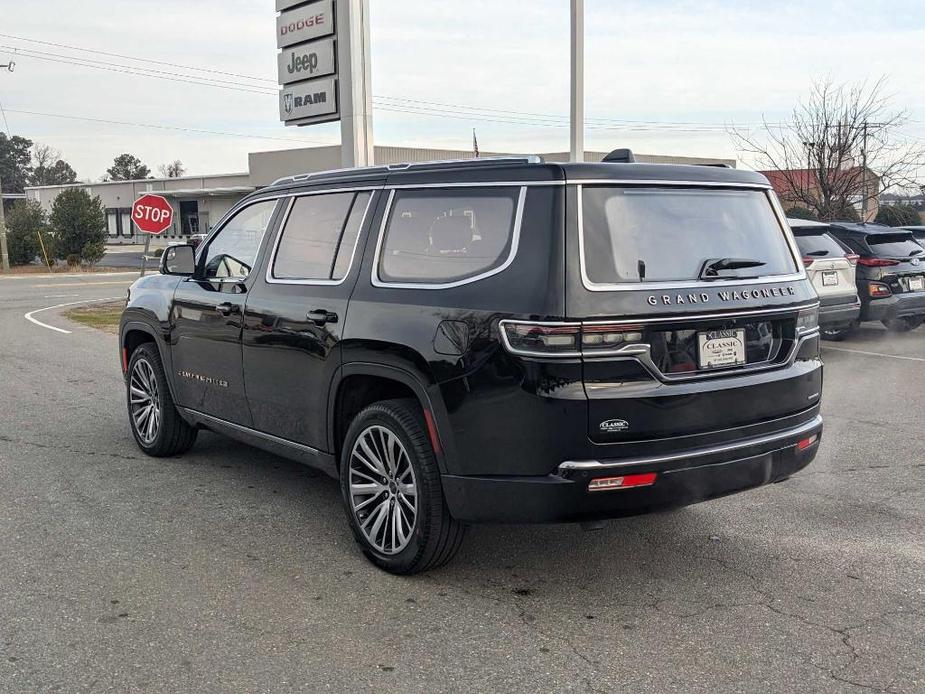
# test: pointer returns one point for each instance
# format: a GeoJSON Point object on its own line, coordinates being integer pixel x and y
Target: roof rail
{"type": "Point", "coordinates": [412, 166]}
{"type": "Point", "coordinates": [716, 165]}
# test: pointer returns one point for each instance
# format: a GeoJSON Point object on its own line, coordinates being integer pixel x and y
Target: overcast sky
{"type": "Point", "coordinates": [678, 70]}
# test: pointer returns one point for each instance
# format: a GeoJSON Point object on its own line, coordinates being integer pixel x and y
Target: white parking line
{"type": "Point", "coordinates": [28, 316]}
{"type": "Point", "coordinates": [873, 354]}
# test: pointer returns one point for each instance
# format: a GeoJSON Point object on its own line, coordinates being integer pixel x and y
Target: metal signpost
{"type": "Point", "coordinates": [324, 70]}
{"type": "Point", "coordinates": [152, 215]}
{"type": "Point", "coordinates": [577, 96]}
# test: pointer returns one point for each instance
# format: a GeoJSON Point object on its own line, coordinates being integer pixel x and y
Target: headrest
{"type": "Point", "coordinates": [451, 233]}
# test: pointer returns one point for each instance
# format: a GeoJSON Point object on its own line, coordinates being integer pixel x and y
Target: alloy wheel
{"type": "Point", "coordinates": [144, 401]}
{"type": "Point", "coordinates": [383, 489]}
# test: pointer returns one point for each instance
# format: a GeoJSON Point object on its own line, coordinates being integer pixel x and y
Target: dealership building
{"type": "Point", "coordinates": [199, 202]}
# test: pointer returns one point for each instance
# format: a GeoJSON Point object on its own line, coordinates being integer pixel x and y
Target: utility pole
{"type": "Point", "coordinates": [577, 95]}
{"type": "Point", "coordinates": [864, 172]}
{"type": "Point", "coordinates": [4, 254]}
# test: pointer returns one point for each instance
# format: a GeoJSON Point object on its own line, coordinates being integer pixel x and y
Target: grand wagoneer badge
{"type": "Point", "coordinates": [725, 296]}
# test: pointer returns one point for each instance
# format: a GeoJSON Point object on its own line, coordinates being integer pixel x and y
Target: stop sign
{"type": "Point", "coordinates": [152, 214]}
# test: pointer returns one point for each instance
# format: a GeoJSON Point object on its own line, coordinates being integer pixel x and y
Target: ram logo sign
{"type": "Point", "coordinates": [316, 99]}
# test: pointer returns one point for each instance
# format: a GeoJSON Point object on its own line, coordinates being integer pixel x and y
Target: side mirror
{"type": "Point", "coordinates": [178, 260]}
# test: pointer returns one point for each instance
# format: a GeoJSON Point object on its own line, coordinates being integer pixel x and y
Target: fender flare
{"type": "Point", "coordinates": [429, 398]}
{"type": "Point", "coordinates": [159, 341]}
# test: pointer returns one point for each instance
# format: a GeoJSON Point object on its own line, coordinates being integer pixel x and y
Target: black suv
{"type": "Point", "coordinates": [890, 273]}
{"type": "Point", "coordinates": [490, 340]}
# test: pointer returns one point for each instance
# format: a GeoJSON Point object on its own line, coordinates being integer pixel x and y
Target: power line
{"type": "Point", "coordinates": [129, 57]}
{"type": "Point", "coordinates": [166, 127]}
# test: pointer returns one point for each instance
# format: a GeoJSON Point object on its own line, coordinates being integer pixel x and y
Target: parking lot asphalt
{"type": "Point", "coordinates": [229, 569]}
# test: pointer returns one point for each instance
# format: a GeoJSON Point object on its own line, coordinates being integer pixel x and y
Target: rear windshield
{"type": "Point", "coordinates": [663, 234]}
{"type": "Point", "coordinates": [818, 244]}
{"type": "Point", "coordinates": [894, 245]}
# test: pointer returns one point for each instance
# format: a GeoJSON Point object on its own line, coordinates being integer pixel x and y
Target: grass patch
{"type": "Point", "coordinates": [63, 269]}
{"type": "Point", "coordinates": [102, 316]}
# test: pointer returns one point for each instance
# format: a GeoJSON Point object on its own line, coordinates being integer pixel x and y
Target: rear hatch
{"type": "Point", "coordinates": [827, 263]}
{"type": "Point", "coordinates": [692, 300]}
{"type": "Point", "coordinates": [899, 259]}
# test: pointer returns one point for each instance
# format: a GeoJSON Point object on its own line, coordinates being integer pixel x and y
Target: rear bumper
{"type": "Point", "coordinates": [837, 313]}
{"type": "Point", "coordinates": [896, 306]}
{"type": "Point", "coordinates": [682, 479]}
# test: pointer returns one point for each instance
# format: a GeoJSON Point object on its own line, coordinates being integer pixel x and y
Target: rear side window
{"type": "Point", "coordinates": [634, 235]}
{"type": "Point", "coordinates": [818, 244]}
{"type": "Point", "coordinates": [893, 245]}
{"type": "Point", "coordinates": [319, 237]}
{"type": "Point", "coordinates": [443, 236]}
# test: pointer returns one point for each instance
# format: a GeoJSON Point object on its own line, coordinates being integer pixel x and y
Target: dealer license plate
{"type": "Point", "coordinates": [829, 279]}
{"type": "Point", "coordinates": [917, 284]}
{"type": "Point", "coordinates": [719, 348]}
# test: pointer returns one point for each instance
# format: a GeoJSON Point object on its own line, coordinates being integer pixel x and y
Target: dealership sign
{"type": "Point", "coordinates": [306, 31]}
{"type": "Point", "coordinates": [306, 61]}
{"type": "Point", "coordinates": [305, 23]}
{"type": "Point", "coordinates": [315, 100]}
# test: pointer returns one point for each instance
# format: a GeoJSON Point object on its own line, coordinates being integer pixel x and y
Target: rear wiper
{"type": "Point", "coordinates": [712, 266]}
{"type": "Point", "coordinates": [819, 253]}
{"type": "Point", "coordinates": [916, 252]}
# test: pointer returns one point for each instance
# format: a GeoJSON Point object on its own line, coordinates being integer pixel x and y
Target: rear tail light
{"type": "Point", "coordinates": [853, 258]}
{"type": "Point", "coordinates": [878, 290]}
{"type": "Point", "coordinates": [808, 261]}
{"type": "Point", "coordinates": [877, 262]}
{"type": "Point", "coordinates": [603, 484]}
{"type": "Point", "coordinates": [807, 442]}
{"type": "Point", "coordinates": [566, 339]}
{"type": "Point", "coordinates": [544, 339]}
{"type": "Point", "coordinates": [807, 320]}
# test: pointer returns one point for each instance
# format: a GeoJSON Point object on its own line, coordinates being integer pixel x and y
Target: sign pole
{"type": "Point", "coordinates": [144, 256]}
{"type": "Point", "coordinates": [577, 96]}
{"type": "Point", "coordinates": [4, 255]}
{"type": "Point", "coordinates": [355, 86]}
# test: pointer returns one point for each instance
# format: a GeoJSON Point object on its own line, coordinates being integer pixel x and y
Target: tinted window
{"type": "Point", "coordinates": [660, 234]}
{"type": "Point", "coordinates": [437, 236]}
{"type": "Point", "coordinates": [894, 245]}
{"type": "Point", "coordinates": [234, 249]}
{"type": "Point", "coordinates": [320, 230]}
{"type": "Point", "coordinates": [818, 244]}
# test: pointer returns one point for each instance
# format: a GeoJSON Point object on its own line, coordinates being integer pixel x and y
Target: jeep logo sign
{"type": "Point", "coordinates": [306, 61]}
{"type": "Point", "coordinates": [309, 100]}
{"type": "Point", "coordinates": [305, 23]}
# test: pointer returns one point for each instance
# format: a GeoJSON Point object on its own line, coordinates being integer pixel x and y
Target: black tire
{"type": "Point", "coordinates": [902, 325]}
{"type": "Point", "coordinates": [173, 434]}
{"type": "Point", "coordinates": [835, 334]}
{"type": "Point", "coordinates": [435, 536]}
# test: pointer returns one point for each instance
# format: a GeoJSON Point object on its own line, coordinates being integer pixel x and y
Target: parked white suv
{"type": "Point", "coordinates": [831, 268]}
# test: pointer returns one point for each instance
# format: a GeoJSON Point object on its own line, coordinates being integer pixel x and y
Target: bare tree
{"type": "Point", "coordinates": [172, 170]}
{"type": "Point", "coordinates": [842, 145]}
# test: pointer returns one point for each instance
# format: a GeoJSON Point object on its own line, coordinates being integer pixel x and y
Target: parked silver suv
{"type": "Point", "coordinates": [831, 268]}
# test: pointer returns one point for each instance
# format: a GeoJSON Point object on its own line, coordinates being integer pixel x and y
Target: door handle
{"type": "Point", "coordinates": [320, 316]}
{"type": "Point", "coordinates": [227, 308]}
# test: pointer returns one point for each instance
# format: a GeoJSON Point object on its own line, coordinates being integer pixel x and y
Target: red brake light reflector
{"type": "Point", "coordinates": [807, 442]}
{"type": "Point", "coordinates": [877, 262]}
{"type": "Point", "coordinates": [603, 484]}
{"type": "Point", "coordinates": [853, 258]}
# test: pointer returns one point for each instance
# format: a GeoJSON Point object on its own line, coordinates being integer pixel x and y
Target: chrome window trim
{"type": "Point", "coordinates": [694, 453]}
{"type": "Point", "coordinates": [686, 284]}
{"type": "Point", "coordinates": [271, 279]}
{"type": "Point", "coordinates": [658, 182]}
{"type": "Point", "coordinates": [515, 242]}
{"type": "Point", "coordinates": [220, 226]}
